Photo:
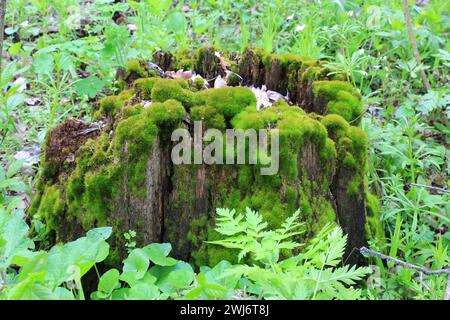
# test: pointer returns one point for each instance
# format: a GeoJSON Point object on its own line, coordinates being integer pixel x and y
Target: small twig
{"type": "Point", "coordinates": [430, 187]}
{"type": "Point", "coordinates": [87, 131]}
{"type": "Point", "coordinates": [396, 261]}
{"type": "Point", "coordinates": [412, 40]}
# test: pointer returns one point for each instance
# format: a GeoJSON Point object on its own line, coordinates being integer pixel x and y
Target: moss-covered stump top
{"type": "Point", "coordinates": [123, 175]}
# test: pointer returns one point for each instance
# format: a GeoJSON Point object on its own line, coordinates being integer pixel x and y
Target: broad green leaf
{"type": "Point", "coordinates": [215, 275]}
{"type": "Point", "coordinates": [143, 291]}
{"type": "Point", "coordinates": [137, 262]}
{"type": "Point", "coordinates": [63, 294]}
{"type": "Point", "coordinates": [157, 253]}
{"type": "Point", "coordinates": [181, 279]}
{"type": "Point", "coordinates": [43, 63]}
{"type": "Point", "coordinates": [109, 281]}
{"type": "Point", "coordinates": [8, 73]}
{"type": "Point", "coordinates": [14, 168]}
{"type": "Point", "coordinates": [99, 233]}
{"type": "Point", "coordinates": [15, 100]}
{"type": "Point", "coordinates": [31, 290]}
{"type": "Point", "coordinates": [89, 86]}
{"type": "Point", "coordinates": [162, 274]}
{"type": "Point", "coordinates": [13, 237]}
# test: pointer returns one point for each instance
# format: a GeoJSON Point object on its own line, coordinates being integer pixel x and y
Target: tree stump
{"type": "Point", "coordinates": [121, 174]}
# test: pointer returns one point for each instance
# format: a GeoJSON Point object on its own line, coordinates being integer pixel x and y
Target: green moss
{"type": "Point", "coordinates": [374, 227]}
{"type": "Point", "coordinates": [337, 126]}
{"type": "Point", "coordinates": [97, 115]}
{"type": "Point", "coordinates": [313, 73]}
{"type": "Point", "coordinates": [328, 152]}
{"type": "Point", "coordinates": [197, 84]}
{"type": "Point", "coordinates": [166, 115]}
{"type": "Point", "coordinates": [291, 196]}
{"type": "Point", "coordinates": [360, 144]}
{"type": "Point", "coordinates": [166, 89]}
{"type": "Point", "coordinates": [50, 170]}
{"type": "Point", "coordinates": [98, 195]}
{"type": "Point", "coordinates": [144, 86]}
{"type": "Point", "coordinates": [111, 104]}
{"type": "Point", "coordinates": [183, 60]}
{"type": "Point", "coordinates": [135, 137]}
{"type": "Point", "coordinates": [341, 97]}
{"type": "Point", "coordinates": [234, 80]}
{"type": "Point", "coordinates": [295, 129]}
{"type": "Point", "coordinates": [51, 208]}
{"type": "Point", "coordinates": [349, 161]}
{"type": "Point", "coordinates": [285, 60]}
{"type": "Point", "coordinates": [89, 187]}
{"type": "Point", "coordinates": [227, 101]}
{"type": "Point", "coordinates": [126, 95]}
{"type": "Point", "coordinates": [352, 152]}
{"type": "Point", "coordinates": [209, 115]}
{"type": "Point", "coordinates": [130, 111]}
{"type": "Point", "coordinates": [353, 186]}
{"type": "Point", "coordinates": [134, 66]}
{"type": "Point", "coordinates": [139, 69]}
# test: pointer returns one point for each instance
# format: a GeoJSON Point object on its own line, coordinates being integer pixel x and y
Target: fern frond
{"type": "Point", "coordinates": [227, 223]}
{"type": "Point", "coordinates": [255, 224]}
{"type": "Point", "coordinates": [336, 248]}
{"type": "Point", "coordinates": [348, 275]}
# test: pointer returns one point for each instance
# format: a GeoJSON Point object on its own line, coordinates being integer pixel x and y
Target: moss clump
{"type": "Point", "coordinates": [139, 69]}
{"type": "Point", "coordinates": [227, 101]}
{"type": "Point", "coordinates": [183, 60]}
{"type": "Point", "coordinates": [89, 187]}
{"type": "Point", "coordinates": [197, 84]}
{"type": "Point", "coordinates": [51, 208]}
{"type": "Point", "coordinates": [135, 66]}
{"type": "Point", "coordinates": [110, 105]}
{"type": "Point", "coordinates": [144, 86]}
{"type": "Point", "coordinates": [210, 117]}
{"type": "Point", "coordinates": [167, 115]}
{"type": "Point", "coordinates": [359, 144]}
{"type": "Point", "coordinates": [313, 73]}
{"type": "Point", "coordinates": [285, 60]}
{"type": "Point", "coordinates": [341, 98]}
{"type": "Point", "coordinates": [337, 126]}
{"type": "Point", "coordinates": [374, 227]}
{"type": "Point", "coordinates": [295, 129]}
{"type": "Point", "coordinates": [50, 169]}
{"type": "Point", "coordinates": [352, 154]}
{"type": "Point", "coordinates": [328, 152]}
{"type": "Point", "coordinates": [166, 89]}
{"type": "Point", "coordinates": [234, 80]}
{"type": "Point", "coordinates": [130, 111]}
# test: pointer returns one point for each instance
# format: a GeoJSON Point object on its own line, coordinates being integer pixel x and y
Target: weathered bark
{"type": "Point", "coordinates": [178, 202]}
{"type": "Point", "coordinates": [348, 206]}
{"type": "Point", "coordinates": [163, 60]}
